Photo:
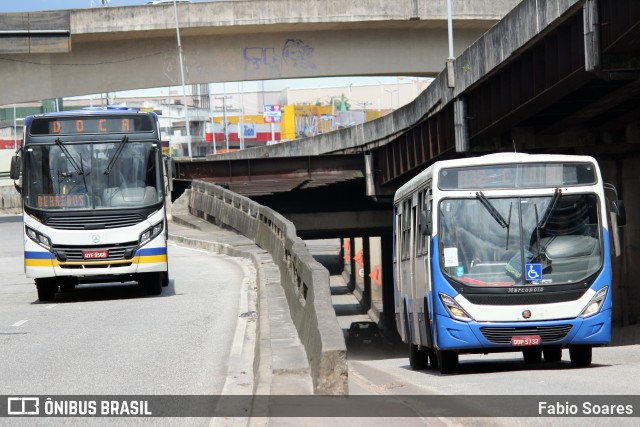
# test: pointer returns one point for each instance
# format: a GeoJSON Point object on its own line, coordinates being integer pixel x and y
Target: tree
{"type": "Point", "coordinates": [338, 102]}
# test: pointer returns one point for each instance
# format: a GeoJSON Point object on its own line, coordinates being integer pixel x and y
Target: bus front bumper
{"type": "Point", "coordinates": [501, 336]}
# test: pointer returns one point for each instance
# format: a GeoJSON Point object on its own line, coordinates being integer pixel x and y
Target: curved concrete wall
{"type": "Point", "coordinates": [304, 280]}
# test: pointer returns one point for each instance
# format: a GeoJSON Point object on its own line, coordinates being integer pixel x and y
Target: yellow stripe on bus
{"type": "Point", "coordinates": [153, 258]}
{"type": "Point", "coordinates": [31, 262]}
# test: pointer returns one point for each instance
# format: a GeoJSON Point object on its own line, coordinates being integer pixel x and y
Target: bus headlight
{"type": "Point", "coordinates": [454, 309]}
{"type": "Point", "coordinates": [150, 233]}
{"type": "Point", "coordinates": [596, 303]}
{"type": "Point", "coordinates": [39, 238]}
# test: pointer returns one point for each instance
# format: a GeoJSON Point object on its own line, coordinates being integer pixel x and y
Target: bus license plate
{"type": "Point", "coordinates": [96, 254]}
{"type": "Point", "coordinates": [525, 340]}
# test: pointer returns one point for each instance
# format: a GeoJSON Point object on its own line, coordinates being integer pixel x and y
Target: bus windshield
{"type": "Point", "coordinates": [520, 240]}
{"type": "Point", "coordinates": [82, 176]}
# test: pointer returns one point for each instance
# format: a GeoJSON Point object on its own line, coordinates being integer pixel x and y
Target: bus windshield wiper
{"type": "Point", "coordinates": [552, 206]}
{"type": "Point", "coordinates": [493, 211]}
{"type": "Point", "coordinates": [75, 165]}
{"type": "Point", "coordinates": [496, 215]}
{"type": "Point", "coordinates": [107, 171]}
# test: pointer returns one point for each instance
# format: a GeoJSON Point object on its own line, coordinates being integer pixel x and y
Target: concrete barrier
{"type": "Point", "coordinates": [304, 280]}
{"type": "Point", "coordinates": [10, 201]}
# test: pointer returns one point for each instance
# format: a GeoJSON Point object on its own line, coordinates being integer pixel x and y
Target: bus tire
{"type": "Point", "coordinates": [532, 355]}
{"type": "Point", "coordinates": [152, 283]}
{"type": "Point", "coordinates": [433, 359]}
{"type": "Point", "coordinates": [418, 359]}
{"type": "Point", "coordinates": [552, 354]}
{"type": "Point", "coordinates": [580, 355]}
{"type": "Point", "coordinates": [46, 289]}
{"type": "Point", "coordinates": [165, 279]}
{"type": "Point", "coordinates": [447, 361]}
{"type": "Point", "coordinates": [67, 287]}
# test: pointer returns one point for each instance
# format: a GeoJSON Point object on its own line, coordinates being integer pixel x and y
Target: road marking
{"type": "Point", "coordinates": [19, 323]}
{"type": "Point", "coordinates": [51, 306]}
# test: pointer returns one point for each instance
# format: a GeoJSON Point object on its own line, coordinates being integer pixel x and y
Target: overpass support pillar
{"type": "Point", "coordinates": [460, 125]}
{"type": "Point", "coordinates": [388, 301]}
{"type": "Point", "coordinates": [366, 258]}
{"type": "Point", "coordinates": [352, 265]}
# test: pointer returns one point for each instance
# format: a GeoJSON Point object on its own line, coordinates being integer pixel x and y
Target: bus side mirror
{"type": "Point", "coordinates": [617, 206]}
{"type": "Point", "coordinates": [14, 172]}
{"type": "Point", "coordinates": [620, 212]}
{"type": "Point", "coordinates": [425, 223]}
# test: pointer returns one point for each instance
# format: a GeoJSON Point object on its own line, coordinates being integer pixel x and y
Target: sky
{"type": "Point", "coordinates": [39, 5]}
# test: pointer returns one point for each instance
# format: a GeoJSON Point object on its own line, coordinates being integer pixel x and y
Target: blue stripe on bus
{"type": "Point", "coordinates": [38, 255]}
{"type": "Point", "coordinates": [151, 251]}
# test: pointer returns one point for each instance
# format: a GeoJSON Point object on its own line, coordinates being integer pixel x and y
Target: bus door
{"type": "Point", "coordinates": [405, 250]}
{"type": "Point", "coordinates": [397, 279]}
{"type": "Point", "coordinates": [416, 306]}
{"type": "Point", "coordinates": [423, 266]}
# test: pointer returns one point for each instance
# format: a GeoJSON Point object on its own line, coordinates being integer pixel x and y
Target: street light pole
{"type": "Point", "coordinates": [15, 129]}
{"type": "Point", "coordinates": [241, 127]}
{"type": "Point", "coordinates": [184, 90]}
{"type": "Point", "coordinates": [450, 76]}
{"type": "Point", "coordinates": [390, 91]}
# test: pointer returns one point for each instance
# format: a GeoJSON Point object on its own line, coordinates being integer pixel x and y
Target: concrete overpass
{"type": "Point", "coordinates": [76, 52]}
{"type": "Point", "coordinates": [554, 77]}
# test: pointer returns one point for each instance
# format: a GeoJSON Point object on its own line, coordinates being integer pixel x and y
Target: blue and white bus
{"type": "Point", "coordinates": [93, 193]}
{"type": "Point", "coordinates": [505, 252]}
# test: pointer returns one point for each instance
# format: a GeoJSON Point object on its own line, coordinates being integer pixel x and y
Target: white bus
{"type": "Point", "coordinates": [93, 195]}
{"type": "Point", "coordinates": [505, 252]}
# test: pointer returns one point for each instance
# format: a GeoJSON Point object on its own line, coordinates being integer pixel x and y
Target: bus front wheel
{"type": "Point", "coordinates": [165, 279]}
{"type": "Point", "coordinates": [152, 282]}
{"type": "Point", "coordinates": [580, 355]}
{"type": "Point", "coordinates": [46, 289]}
{"type": "Point", "coordinates": [447, 361]}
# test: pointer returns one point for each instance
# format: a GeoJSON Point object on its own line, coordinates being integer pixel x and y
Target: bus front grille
{"type": "Point", "coordinates": [93, 222]}
{"type": "Point", "coordinates": [548, 334]}
{"type": "Point", "coordinates": [76, 253]}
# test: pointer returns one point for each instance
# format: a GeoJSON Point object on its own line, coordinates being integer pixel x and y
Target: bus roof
{"type": "Point", "coordinates": [489, 159]}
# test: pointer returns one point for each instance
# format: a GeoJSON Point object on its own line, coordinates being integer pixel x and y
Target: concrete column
{"type": "Point", "coordinates": [376, 274]}
{"type": "Point", "coordinates": [388, 317]}
{"type": "Point", "coordinates": [358, 258]}
{"type": "Point", "coordinates": [366, 293]}
{"type": "Point", "coordinates": [353, 273]}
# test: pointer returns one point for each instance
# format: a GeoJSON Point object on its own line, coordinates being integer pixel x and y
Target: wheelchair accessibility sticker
{"type": "Point", "coordinates": [533, 272]}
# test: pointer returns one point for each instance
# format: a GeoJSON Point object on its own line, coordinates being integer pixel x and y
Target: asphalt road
{"type": "Point", "coordinates": [113, 339]}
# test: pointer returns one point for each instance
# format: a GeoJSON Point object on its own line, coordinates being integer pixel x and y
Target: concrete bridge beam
{"type": "Point", "coordinates": [338, 224]}
{"type": "Point", "coordinates": [134, 47]}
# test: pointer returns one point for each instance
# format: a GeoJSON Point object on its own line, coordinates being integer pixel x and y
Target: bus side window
{"type": "Point", "coordinates": [424, 219]}
{"type": "Point", "coordinates": [427, 217]}
{"type": "Point", "coordinates": [417, 233]}
{"type": "Point", "coordinates": [406, 223]}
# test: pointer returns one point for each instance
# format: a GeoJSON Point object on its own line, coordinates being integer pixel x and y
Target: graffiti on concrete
{"type": "Point", "coordinates": [298, 54]}
{"type": "Point", "coordinates": [265, 62]}
{"type": "Point", "coordinates": [312, 120]}
{"type": "Point", "coordinates": [261, 62]}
